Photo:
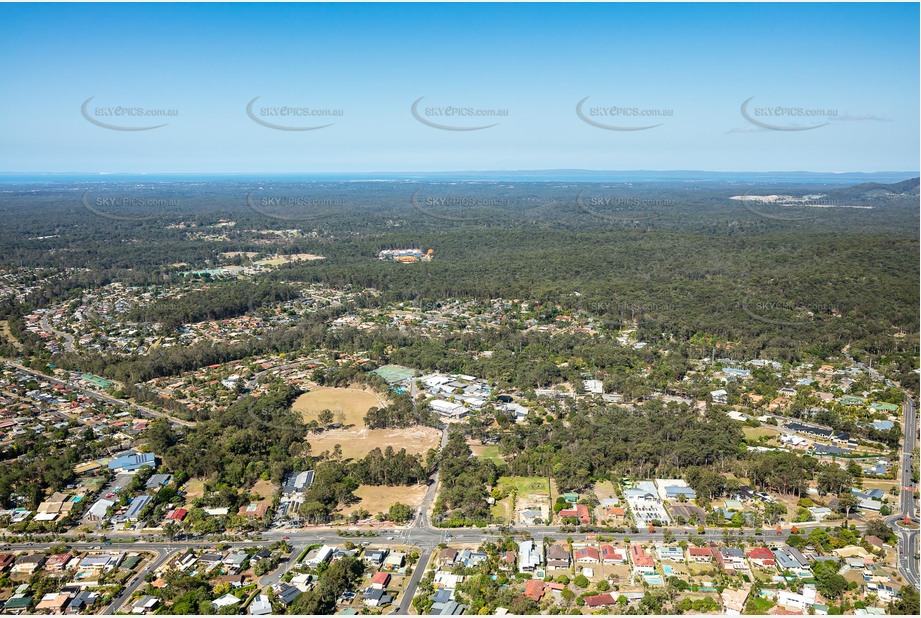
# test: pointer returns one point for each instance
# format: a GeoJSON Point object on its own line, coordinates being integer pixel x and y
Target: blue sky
{"type": "Point", "coordinates": [853, 67]}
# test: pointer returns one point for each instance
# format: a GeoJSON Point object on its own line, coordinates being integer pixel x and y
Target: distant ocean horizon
{"type": "Point", "coordinates": [472, 176]}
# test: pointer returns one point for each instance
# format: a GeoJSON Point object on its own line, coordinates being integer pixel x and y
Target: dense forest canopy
{"type": "Point", "coordinates": [782, 282]}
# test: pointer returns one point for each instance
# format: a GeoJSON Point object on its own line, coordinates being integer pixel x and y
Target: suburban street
{"type": "Point", "coordinates": [908, 537]}
{"type": "Point", "coordinates": [163, 553]}
{"type": "Point", "coordinates": [94, 394]}
{"type": "Point", "coordinates": [67, 337]}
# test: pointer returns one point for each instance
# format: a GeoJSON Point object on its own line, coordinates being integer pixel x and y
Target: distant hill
{"type": "Point", "coordinates": [877, 192]}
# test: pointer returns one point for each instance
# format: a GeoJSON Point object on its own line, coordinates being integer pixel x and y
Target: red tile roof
{"type": "Point", "coordinates": [589, 553]}
{"type": "Point", "coordinates": [761, 553]}
{"type": "Point", "coordinates": [534, 589]}
{"type": "Point", "coordinates": [599, 600]}
{"type": "Point", "coordinates": [640, 557]}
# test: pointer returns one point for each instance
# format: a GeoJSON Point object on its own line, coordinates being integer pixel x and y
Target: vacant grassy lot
{"type": "Point", "coordinates": [530, 490]}
{"type": "Point", "coordinates": [264, 489]}
{"type": "Point", "coordinates": [525, 485]}
{"type": "Point", "coordinates": [605, 489]}
{"type": "Point", "coordinates": [357, 443]}
{"type": "Point", "coordinates": [379, 499]}
{"type": "Point", "coordinates": [6, 334]}
{"type": "Point", "coordinates": [195, 489]}
{"type": "Point", "coordinates": [348, 405]}
{"type": "Point", "coordinates": [754, 433]}
{"type": "Point", "coordinates": [486, 451]}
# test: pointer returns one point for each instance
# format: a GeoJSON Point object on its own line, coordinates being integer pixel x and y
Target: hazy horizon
{"type": "Point", "coordinates": [411, 88]}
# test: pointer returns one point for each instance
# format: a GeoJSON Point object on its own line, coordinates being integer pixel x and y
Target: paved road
{"type": "Point", "coordinates": [67, 337]}
{"type": "Point", "coordinates": [418, 572]}
{"type": "Point", "coordinates": [270, 579]}
{"type": "Point", "coordinates": [163, 554]}
{"type": "Point", "coordinates": [425, 538]}
{"type": "Point", "coordinates": [908, 537]}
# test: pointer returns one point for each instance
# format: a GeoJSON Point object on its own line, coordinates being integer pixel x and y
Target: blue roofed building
{"type": "Point", "coordinates": [133, 461]}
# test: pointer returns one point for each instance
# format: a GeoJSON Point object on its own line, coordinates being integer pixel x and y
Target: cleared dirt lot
{"type": "Point", "coordinates": [348, 405]}
{"type": "Point", "coordinates": [358, 442]}
{"type": "Point", "coordinates": [195, 489]}
{"type": "Point", "coordinates": [6, 334]}
{"type": "Point", "coordinates": [378, 499]}
{"type": "Point", "coordinates": [264, 489]}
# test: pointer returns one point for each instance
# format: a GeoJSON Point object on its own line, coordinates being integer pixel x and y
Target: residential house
{"type": "Point", "coordinates": [58, 562]}
{"type": "Point", "coordinates": [18, 603]}
{"type": "Point", "coordinates": [227, 600]}
{"type": "Point", "coordinates": [27, 564]}
{"type": "Point", "coordinates": [98, 511]}
{"type": "Point", "coordinates": [374, 597]}
{"type": "Point", "coordinates": [234, 560]}
{"type": "Point", "coordinates": [81, 603]}
{"type": "Point", "coordinates": [734, 600]}
{"type": "Point", "coordinates": [612, 555]}
{"type": "Point", "coordinates": [235, 581]}
{"type": "Point", "coordinates": [254, 510]}
{"type": "Point", "coordinates": [579, 511]}
{"type": "Point", "coordinates": [302, 581]}
{"type": "Point", "coordinates": [446, 557]}
{"type": "Point", "coordinates": [587, 555]}
{"type": "Point", "coordinates": [285, 593]}
{"type": "Point", "coordinates": [210, 560]}
{"type": "Point", "coordinates": [185, 561]}
{"type": "Point", "coordinates": [800, 601]}
{"type": "Point", "coordinates": [599, 600]}
{"type": "Point", "coordinates": [145, 605]}
{"type": "Point", "coordinates": [133, 461]}
{"type": "Point", "coordinates": [670, 554]}
{"type": "Point", "coordinates": [529, 556]}
{"type": "Point", "coordinates": [260, 606]}
{"type": "Point", "coordinates": [53, 602]}
{"type": "Point", "coordinates": [790, 559]}
{"type": "Point", "coordinates": [101, 563]}
{"type": "Point", "coordinates": [156, 481]}
{"type": "Point", "coordinates": [375, 557]}
{"type": "Point", "coordinates": [534, 589]}
{"type": "Point", "coordinates": [642, 562]}
{"type": "Point", "coordinates": [133, 513]}
{"type": "Point", "coordinates": [394, 560]}
{"type": "Point", "coordinates": [731, 559]}
{"type": "Point", "coordinates": [558, 557]}
{"type": "Point", "coordinates": [380, 580]}
{"type": "Point", "coordinates": [761, 557]}
{"type": "Point", "coordinates": [322, 556]}
{"type": "Point", "coordinates": [176, 515]}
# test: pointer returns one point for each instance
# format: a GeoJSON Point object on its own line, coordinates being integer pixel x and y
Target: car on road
{"type": "Point", "coordinates": [389, 538]}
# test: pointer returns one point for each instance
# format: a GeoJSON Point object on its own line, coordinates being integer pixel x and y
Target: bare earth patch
{"type": "Point", "coordinates": [379, 499]}
{"type": "Point", "coordinates": [358, 442]}
{"type": "Point", "coordinates": [264, 489]}
{"type": "Point", "coordinates": [195, 488]}
{"type": "Point", "coordinates": [348, 405]}
{"type": "Point", "coordinates": [6, 334]}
